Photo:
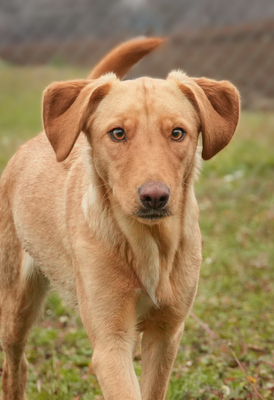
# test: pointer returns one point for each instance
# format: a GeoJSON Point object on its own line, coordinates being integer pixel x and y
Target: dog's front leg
{"type": "Point", "coordinates": [107, 301]}
{"type": "Point", "coordinates": [159, 348]}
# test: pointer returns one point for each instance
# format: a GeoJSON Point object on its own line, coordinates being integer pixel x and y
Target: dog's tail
{"type": "Point", "coordinates": [124, 56]}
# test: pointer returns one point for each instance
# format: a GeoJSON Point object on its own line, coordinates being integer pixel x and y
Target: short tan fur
{"type": "Point", "coordinates": [102, 206]}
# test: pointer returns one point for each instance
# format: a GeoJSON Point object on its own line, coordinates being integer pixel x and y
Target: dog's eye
{"type": "Point", "coordinates": [178, 134]}
{"type": "Point", "coordinates": [118, 134]}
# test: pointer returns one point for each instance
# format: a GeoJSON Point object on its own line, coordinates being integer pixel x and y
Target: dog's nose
{"type": "Point", "coordinates": [154, 195]}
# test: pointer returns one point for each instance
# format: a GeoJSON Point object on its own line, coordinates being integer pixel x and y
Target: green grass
{"type": "Point", "coordinates": [236, 290]}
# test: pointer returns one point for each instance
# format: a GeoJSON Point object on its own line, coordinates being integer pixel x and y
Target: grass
{"type": "Point", "coordinates": [236, 291]}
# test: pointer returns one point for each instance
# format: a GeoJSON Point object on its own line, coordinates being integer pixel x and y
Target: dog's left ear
{"type": "Point", "coordinates": [218, 107]}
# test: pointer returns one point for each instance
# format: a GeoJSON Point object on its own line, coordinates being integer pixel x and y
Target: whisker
{"type": "Point", "coordinates": [190, 169]}
{"type": "Point", "coordinates": [112, 208]}
{"type": "Point", "coordinates": [104, 184]}
{"type": "Point", "coordinates": [104, 198]}
{"type": "Point", "coordinates": [186, 184]}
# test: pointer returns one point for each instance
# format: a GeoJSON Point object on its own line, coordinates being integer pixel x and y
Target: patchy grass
{"type": "Point", "coordinates": [236, 291]}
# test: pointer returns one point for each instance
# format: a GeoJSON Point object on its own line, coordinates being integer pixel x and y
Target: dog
{"type": "Point", "coordinates": [101, 206]}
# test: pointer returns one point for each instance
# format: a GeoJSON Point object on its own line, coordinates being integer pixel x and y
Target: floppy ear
{"type": "Point", "coordinates": [218, 107]}
{"type": "Point", "coordinates": [65, 109]}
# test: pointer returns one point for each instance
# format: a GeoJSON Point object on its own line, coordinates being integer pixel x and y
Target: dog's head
{"type": "Point", "coordinates": [143, 133]}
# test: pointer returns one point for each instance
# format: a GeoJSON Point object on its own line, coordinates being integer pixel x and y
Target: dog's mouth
{"type": "Point", "coordinates": [151, 214]}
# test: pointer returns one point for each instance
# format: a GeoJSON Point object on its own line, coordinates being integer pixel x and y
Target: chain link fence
{"type": "Point", "coordinates": [215, 38]}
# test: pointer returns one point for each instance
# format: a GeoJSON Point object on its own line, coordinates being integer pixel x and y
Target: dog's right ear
{"type": "Point", "coordinates": [66, 106]}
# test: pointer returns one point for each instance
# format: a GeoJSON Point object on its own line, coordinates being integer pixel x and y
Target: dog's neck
{"type": "Point", "coordinates": [150, 251]}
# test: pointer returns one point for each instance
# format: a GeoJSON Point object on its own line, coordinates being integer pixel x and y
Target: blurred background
{"type": "Point", "coordinates": [46, 40]}
{"type": "Point", "coordinates": [222, 39]}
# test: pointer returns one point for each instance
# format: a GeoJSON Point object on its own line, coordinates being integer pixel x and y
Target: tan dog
{"type": "Point", "coordinates": [113, 223]}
